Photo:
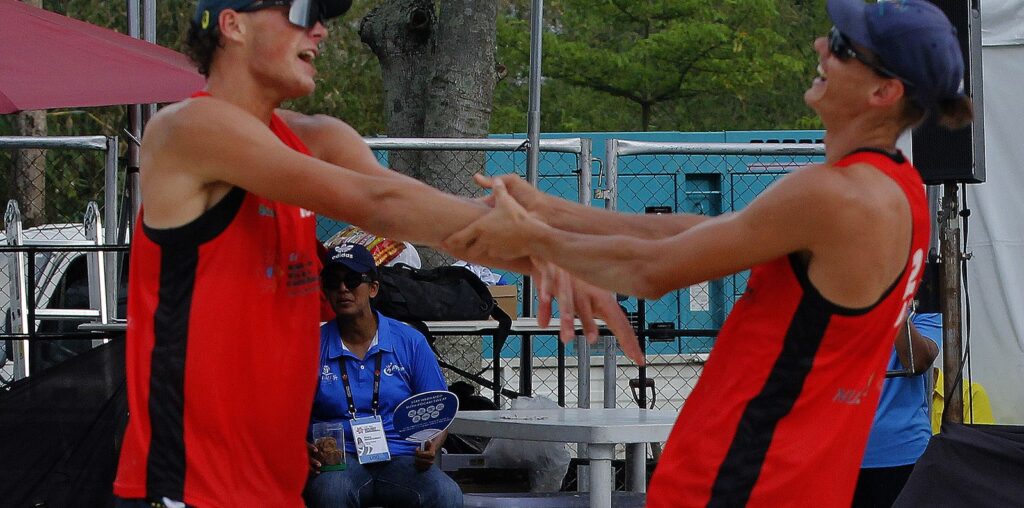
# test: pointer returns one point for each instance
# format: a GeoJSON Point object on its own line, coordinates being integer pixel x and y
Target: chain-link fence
{"type": "Point", "coordinates": [449, 164]}
{"type": "Point", "coordinates": [700, 178]}
{"type": "Point", "coordinates": [48, 184]}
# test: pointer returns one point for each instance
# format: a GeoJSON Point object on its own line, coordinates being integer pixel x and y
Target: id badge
{"type": "Point", "coordinates": [370, 440]}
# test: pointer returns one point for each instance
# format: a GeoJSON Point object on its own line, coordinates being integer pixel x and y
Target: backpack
{"type": "Point", "coordinates": [445, 293]}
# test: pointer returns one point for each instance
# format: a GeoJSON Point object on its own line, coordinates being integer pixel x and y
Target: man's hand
{"type": "Point", "coordinates": [578, 298]}
{"type": "Point", "coordinates": [504, 233]}
{"type": "Point", "coordinates": [528, 196]}
{"type": "Point", "coordinates": [425, 457]}
{"type": "Point", "coordinates": [508, 232]}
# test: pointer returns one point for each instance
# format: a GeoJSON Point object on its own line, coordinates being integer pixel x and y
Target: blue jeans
{"type": "Point", "coordinates": [395, 483]}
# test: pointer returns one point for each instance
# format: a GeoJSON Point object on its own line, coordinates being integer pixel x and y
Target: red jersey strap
{"type": "Point", "coordinates": [892, 164]}
{"type": "Point", "coordinates": [288, 137]}
{"type": "Point", "coordinates": [277, 126]}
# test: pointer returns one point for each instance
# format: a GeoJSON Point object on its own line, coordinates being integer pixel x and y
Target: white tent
{"type": "Point", "coordinates": [996, 225]}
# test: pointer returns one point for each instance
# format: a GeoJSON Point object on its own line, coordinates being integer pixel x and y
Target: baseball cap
{"type": "Point", "coordinates": [353, 256]}
{"type": "Point", "coordinates": [304, 13]}
{"type": "Point", "coordinates": [912, 38]}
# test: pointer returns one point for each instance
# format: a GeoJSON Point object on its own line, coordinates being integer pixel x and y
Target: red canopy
{"type": "Point", "coordinates": [52, 61]}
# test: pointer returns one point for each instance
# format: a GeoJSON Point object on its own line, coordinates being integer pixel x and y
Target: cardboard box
{"type": "Point", "coordinates": [507, 298]}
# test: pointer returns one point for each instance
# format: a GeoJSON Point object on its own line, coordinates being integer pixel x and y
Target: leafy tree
{"type": "Point", "coordinates": [677, 64]}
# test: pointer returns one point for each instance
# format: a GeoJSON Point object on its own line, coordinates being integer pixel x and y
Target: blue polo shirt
{"type": "Point", "coordinates": [408, 367]}
{"type": "Point", "coordinates": [902, 425]}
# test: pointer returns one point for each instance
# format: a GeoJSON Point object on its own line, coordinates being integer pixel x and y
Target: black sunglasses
{"type": "Point", "coordinates": [334, 280]}
{"type": "Point", "coordinates": [840, 46]}
{"type": "Point", "coordinates": [303, 13]}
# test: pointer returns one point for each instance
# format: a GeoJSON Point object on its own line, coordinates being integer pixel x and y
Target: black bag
{"type": "Point", "coordinates": [446, 293]}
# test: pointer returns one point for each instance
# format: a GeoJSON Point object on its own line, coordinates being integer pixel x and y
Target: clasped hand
{"type": "Point", "coordinates": [510, 231]}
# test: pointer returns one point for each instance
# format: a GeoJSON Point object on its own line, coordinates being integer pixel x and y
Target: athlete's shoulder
{"type": "Point", "coordinates": [818, 187]}
{"type": "Point", "coordinates": [201, 120]}
{"type": "Point", "coordinates": [322, 133]}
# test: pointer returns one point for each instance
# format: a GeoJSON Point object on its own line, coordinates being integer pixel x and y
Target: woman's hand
{"type": "Point", "coordinates": [425, 457]}
{"type": "Point", "coordinates": [314, 464]}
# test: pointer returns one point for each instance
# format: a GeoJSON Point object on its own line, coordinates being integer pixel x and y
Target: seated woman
{"type": "Point", "coordinates": [368, 365]}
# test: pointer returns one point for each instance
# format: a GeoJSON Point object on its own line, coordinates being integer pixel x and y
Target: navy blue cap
{"type": "Point", "coordinates": [353, 256]}
{"type": "Point", "coordinates": [208, 11]}
{"type": "Point", "coordinates": [912, 38]}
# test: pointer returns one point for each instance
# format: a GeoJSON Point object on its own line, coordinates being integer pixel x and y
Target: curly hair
{"type": "Point", "coordinates": [200, 45]}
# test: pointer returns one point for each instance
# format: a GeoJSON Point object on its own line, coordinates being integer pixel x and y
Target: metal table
{"type": "Point", "coordinates": [600, 429]}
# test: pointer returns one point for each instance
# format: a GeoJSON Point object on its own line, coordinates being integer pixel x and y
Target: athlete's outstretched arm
{"type": "Point", "coordinates": [212, 142]}
{"type": "Point", "coordinates": [571, 216]}
{"type": "Point", "coordinates": [775, 224]}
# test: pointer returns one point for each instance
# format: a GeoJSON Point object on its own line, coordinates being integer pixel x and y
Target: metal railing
{"type": "Point", "coordinates": [678, 330]}
{"type": "Point", "coordinates": [56, 178]}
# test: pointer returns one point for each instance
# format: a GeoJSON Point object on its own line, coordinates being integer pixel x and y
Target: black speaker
{"type": "Point", "coordinates": [944, 156]}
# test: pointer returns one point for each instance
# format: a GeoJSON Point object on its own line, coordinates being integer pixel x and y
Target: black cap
{"type": "Point", "coordinates": [208, 11]}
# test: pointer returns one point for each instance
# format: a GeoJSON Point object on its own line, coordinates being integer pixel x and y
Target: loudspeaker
{"type": "Point", "coordinates": [944, 156]}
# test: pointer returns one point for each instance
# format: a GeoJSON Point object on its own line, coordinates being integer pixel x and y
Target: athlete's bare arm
{"type": "Point", "coordinates": [334, 141]}
{"type": "Point", "coordinates": [194, 152]}
{"type": "Point", "coordinates": [851, 224]}
{"type": "Point", "coordinates": [571, 216]}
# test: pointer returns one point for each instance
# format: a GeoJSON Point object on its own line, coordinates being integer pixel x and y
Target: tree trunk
{"type": "Point", "coordinates": [30, 171]}
{"type": "Point", "coordinates": [400, 33]}
{"type": "Point", "coordinates": [437, 65]}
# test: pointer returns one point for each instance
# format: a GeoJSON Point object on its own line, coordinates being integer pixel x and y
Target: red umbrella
{"type": "Point", "coordinates": [52, 61]}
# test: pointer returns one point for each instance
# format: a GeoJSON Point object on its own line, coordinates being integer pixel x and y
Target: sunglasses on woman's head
{"type": "Point", "coordinates": [840, 46]}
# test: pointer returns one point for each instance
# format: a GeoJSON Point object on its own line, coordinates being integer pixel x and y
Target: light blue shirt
{"type": "Point", "coordinates": [902, 425]}
{"type": "Point", "coordinates": [408, 367]}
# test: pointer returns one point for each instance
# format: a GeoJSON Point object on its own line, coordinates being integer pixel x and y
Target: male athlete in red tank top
{"type": "Point", "coordinates": [223, 313]}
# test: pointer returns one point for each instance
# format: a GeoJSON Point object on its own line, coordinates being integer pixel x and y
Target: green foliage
{"type": "Point", "coordinates": [672, 64]}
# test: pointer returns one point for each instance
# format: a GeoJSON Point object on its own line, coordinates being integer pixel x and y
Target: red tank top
{"type": "Point", "coordinates": [222, 354]}
{"type": "Point", "coordinates": [781, 413]}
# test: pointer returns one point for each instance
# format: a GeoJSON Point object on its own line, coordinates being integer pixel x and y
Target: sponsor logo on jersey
{"type": "Point", "coordinates": [393, 368]}
{"type": "Point", "coordinates": [327, 376]}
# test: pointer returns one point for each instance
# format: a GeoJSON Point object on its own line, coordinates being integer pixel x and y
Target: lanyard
{"type": "Point", "coordinates": [375, 404]}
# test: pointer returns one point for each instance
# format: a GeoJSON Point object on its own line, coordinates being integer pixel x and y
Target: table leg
{"type": "Point", "coordinates": [601, 480]}
{"type": "Point", "coordinates": [526, 366]}
{"type": "Point", "coordinates": [636, 466]}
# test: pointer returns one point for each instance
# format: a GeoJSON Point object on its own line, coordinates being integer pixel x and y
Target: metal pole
{"type": "Point", "coordinates": [149, 35]}
{"type": "Point", "coordinates": [582, 346]}
{"type": "Point", "coordinates": [533, 123]}
{"type": "Point", "coordinates": [611, 203]}
{"type": "Point", "coordinates": [949, 239]}
{"type": "Point", "coordinates": [110, 222]}
{"type": "Point", "coordinates": [135, 128]}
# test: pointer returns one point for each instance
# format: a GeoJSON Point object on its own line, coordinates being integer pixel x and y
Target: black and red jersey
{"type": "Point", "coordinates": [222, 354]}
{"type": "Point", "coordinates": [781, 413]}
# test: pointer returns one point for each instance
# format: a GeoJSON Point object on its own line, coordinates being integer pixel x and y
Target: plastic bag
{"type": "Point", "coordinates": [546, 462]}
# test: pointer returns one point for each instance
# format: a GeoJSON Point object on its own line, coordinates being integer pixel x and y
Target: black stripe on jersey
{"type": "Point", "coordinates": [165, 465]}
{"type": "Point", "coordinates": [179, 261]}
{"type": "Point", "coordinates": [742, 464]}
{"type": "Point", "coordinates": [204, 228]}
